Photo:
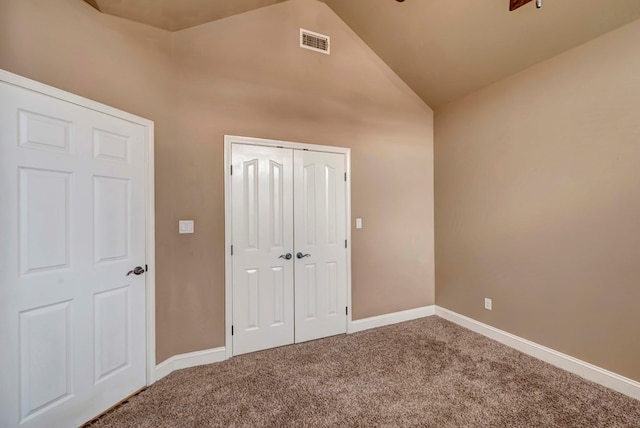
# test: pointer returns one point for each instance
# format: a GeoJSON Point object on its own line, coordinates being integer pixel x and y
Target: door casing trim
{"type": "Point", "coordinates": [228, 259]}
{"type": "Point", "coordinates": [150, 278]}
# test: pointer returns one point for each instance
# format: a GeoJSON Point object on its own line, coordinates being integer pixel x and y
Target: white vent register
{"type": "Point", "coordinates": [314, 41]}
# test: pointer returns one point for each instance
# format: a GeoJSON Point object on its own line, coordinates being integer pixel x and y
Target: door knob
{"type": "Point", "coordinates": [286, 256]}
{"type": "Point", "coordinates": [302, 256]}
{"type": "Point", "coordinates": [138, 270]}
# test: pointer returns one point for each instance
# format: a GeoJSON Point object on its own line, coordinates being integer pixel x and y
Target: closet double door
{"type": "Point", "coordinates": [289, 246]}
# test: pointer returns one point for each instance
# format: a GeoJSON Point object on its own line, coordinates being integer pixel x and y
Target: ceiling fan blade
{"type": "Point", "coordinates": [514, 4]}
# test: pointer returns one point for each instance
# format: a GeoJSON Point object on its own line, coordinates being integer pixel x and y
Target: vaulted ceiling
{"type": "Point", "coordinates": [443, 49]}
{"type": "Point", "coordinates": [176, 15]}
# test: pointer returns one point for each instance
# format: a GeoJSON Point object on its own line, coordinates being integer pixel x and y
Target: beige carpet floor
{"type": "Point", "coordinates": [427, 373]}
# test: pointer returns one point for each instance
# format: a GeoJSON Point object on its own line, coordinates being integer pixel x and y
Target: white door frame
{"type": "Point", "coordinates": [228, 259]}
{"type": "Point", "coordinates": [150, 279]}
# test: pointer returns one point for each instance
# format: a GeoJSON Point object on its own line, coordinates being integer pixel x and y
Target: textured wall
{"type": "Point", "coordinates": [538, 203]}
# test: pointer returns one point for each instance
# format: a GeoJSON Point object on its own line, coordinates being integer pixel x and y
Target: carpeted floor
{"type": "Point", "coordinates": [428, 373]}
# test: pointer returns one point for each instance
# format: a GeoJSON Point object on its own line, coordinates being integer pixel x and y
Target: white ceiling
{"type": "Point", "coordinates": [443, 49]}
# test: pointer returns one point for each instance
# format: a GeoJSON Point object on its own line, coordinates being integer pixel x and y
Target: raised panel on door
{"type": "Point", "coordinates": [112, 338]}
{"type": "Point", "coordinates": [45, 358]}
{"type": "Point", "coordinates": [262, 215]}
{"type": "Point", "coordinates": [72, 325]}
{"type": "Point", "coordinates": [45, 222]}
{"type": "Point", "coordinates": [320, 233]}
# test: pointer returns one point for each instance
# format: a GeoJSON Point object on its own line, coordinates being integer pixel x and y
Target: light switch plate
{"type": "Point", "coordinates": [185, 226]}
{"type": "Point", "coordinates": [358, 223]}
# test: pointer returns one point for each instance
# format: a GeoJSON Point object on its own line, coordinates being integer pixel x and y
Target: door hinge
{"type": "Point", "coordinates": [231, 330]}
{"type": "Point", "coordinates": [232, 250]}
{"type": "Point", "coordinates": [231, 170]}
{"type": "Point", "coordinates": [345, 176]}
{"type": "Point", "coordinates": [345, 243]}
{"type": "Point", "coordinates": [346, 310]}
{"type": "Point", "coordinates": [146, 268]}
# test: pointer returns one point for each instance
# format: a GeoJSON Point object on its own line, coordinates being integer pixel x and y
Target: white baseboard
{"type": "Point", "coordinates": [216, 355]}
{"type": "Point", "coordinates": [191, 359]}
{"type": "Point", "coordinates": [392, 318]}
{"type": "Point", "coordinates": [566, 362]}
{"type": "Point", "coordinates": [586, 370]}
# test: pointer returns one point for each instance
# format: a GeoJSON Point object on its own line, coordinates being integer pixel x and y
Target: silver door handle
{"type": "Point", "coordinates": [138, 270]}
{"type": "Point", "coordinates": [302, 256]}
{"type": "Point", "coordinates": [286, 256]}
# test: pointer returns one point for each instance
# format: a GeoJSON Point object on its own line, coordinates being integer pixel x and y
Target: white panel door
{"type": "Point", "coordinates": [262, 218]}
{"type": "Point", "coordinates": [72, 324]}
{"type": "Point", "coordinates": [320, 233]}
{"type": "Point", "coordinates": [289, 277]}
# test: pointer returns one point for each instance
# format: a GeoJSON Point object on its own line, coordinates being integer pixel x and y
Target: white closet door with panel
{"type": "Point", "coordinates": [262, 215]}
{"type": "Point", "coordinates": [72, 323]}
{"type": "Point", "coordinates": [289, 259]}
{"type": "Point", "coordinates": [320, 231]}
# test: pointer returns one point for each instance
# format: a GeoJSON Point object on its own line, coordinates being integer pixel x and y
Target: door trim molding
{"type": "Point", "coordinates": [150, 281]}
{"type": "Point", "coordinates": [228, 260]}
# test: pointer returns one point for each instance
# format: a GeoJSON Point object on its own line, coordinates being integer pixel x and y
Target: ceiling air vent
{"type": "Point", "coordinates": [314, 41]}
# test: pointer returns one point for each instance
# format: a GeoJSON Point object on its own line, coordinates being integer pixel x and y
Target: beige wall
{"type": "Point", "coordinates": [69, 45]}
{"type": "Point", "coordinates": [538, 203]}
{"type": "Point", "coordinates": [245, 75]}
{"type": "Point", "coordinates": [537, 176]}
